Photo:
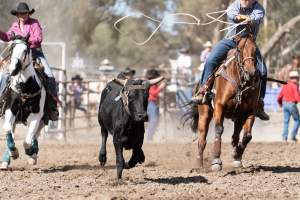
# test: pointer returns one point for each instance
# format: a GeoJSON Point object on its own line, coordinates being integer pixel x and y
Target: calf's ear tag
{"type": "Point", "coordinates": [118, 98]}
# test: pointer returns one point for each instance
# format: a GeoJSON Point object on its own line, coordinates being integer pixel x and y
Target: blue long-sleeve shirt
{"type": "Point", "coordinates": [256, 13]}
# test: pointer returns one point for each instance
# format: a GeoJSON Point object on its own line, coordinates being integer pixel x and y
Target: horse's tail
{"type": "Point", "coordinates": [191, 117]}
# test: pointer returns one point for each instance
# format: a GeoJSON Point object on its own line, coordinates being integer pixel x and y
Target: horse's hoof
{"type": "Point", "coordinates": [216, 167]}
{"type": "Point", "coordinates": [32, 160]}
{"type": "Point", "coordinates": [14, 154]}
{"type": "Point", "coordinates": [4, 166]}
{"type": "Point", "coordinates": [237, 163]}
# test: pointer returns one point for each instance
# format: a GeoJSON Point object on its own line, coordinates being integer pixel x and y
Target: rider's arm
{"type": "Point", "coordinates": [36, 35]}
{"type": "Point", "coordinates": [7, 36]}
{"type": "Point", "coordinates": [257, 14]}
{"type": "Point", "coordinates": [233, 11]}
{"type": "Point", "coordinates": [280, 97]}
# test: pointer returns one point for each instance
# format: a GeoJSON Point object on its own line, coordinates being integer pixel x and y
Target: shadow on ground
{"type": "Point", "coordinates": [179, 180]}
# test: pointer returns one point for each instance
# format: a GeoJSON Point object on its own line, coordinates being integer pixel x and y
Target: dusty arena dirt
{"type": "Point", "coordinates": [72, 171]}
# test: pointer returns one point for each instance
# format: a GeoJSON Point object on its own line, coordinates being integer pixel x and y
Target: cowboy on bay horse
{"type": "Point", "coordinates": [29, 30]}
{"type": "Point", "coordinates": [249, 11]}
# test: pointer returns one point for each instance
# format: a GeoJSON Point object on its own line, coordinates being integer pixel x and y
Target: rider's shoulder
{"type": "Point", "coordinates": [258, 6]}
{"type": "Point", "coordinates": [33, 21]}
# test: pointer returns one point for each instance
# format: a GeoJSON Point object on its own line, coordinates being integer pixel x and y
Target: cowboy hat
{"type": "Point", "coordinates": [207, 44]}
{"type": "Point", "coordinates": [76, 77]}
{"type": "Point", "coordinates": [128, 70]}
{"type": "Point", "coordinates": [294, 74]}
{"type": "Point", "coordinates": [184, 50]}
{"type": "Point", "coordinates": [22, 7]}
{"type": "Point", "coordinates": [152, 74]}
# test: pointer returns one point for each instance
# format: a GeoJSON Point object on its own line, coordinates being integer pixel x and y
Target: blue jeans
{"type": "Point", "coordinates": [290, 109]}
{"type": "Point", "coordinates": [219, 54]}
{"type": "Point", "coordinates": [153, 115]}
{"type": "Point", "coordinates": [38, 54]}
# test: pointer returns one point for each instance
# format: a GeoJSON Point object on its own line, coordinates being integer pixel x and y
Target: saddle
{"type": "Point", "coordinates": [49, 112]}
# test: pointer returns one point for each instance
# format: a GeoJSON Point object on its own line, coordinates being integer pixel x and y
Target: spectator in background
{"type": "Point", "coordinates": [128, 73]}
{"type": "Point", "coordinates": [288, 98]}
{"type": "Point", "coordinates": [76, 89]}
{"type": "Point", "coordinates": [204, 55]}
{"type": "Point", "coordinates": [283, 73]}
{"type": "Point", "coordinates": [153, 99]}
{"type": "Point", "coordinates": [184, 64]}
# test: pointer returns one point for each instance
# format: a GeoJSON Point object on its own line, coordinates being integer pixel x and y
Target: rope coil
{"type": "Point", "coordinates": [196, 20]}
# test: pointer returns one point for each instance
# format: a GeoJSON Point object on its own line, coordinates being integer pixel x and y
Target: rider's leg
{"type": "Point", "coordinates": [263, 74]}
{"type": "Point", "coordinates": [218, 54]}
{"type": "Point", "coordinates": [51, 85]}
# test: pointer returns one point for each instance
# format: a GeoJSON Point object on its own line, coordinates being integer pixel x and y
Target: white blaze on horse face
{"type": "Point", "coordinates": [18, 53]}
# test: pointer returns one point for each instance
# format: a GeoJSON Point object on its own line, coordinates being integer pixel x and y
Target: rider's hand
{"type": "Point", "coordinates": [242, 18]}
{"type": "Point", "coordinates": [19, 37]}
{"type": "Point", "coordinates": [12, 36]}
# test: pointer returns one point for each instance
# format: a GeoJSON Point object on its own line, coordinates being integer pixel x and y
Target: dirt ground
{"type": "Point", "coordinates": [72, 171]}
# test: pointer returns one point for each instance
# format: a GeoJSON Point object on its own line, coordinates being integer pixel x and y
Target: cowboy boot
{"type": "Point", "coordinates": [199, 94]}
{"type": "Point", "coordinates": [261, 112]}
{"type": "Point", "coordinates": [203, 94]}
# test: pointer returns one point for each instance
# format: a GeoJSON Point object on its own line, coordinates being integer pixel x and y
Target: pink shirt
{"type": "Point", "coordinates": [31, 27]}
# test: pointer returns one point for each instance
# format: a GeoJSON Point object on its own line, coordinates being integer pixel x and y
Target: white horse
{"type": "Point", "coordinates": [25, 104]}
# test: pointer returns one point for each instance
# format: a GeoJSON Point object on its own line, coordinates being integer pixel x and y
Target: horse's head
{"type": "Point", "coordinates": [18, 56]}
{"type": "Point", "coordinates": [246, 55]}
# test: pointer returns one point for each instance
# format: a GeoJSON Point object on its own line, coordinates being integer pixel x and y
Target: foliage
{"type": "Point", "coordinates": [87, 27]}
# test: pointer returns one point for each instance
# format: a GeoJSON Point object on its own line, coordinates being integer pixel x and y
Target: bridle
{"type": "Point", "coordinates": [243, 75]}
{"type": "Point", "coordinates": [23, 96]}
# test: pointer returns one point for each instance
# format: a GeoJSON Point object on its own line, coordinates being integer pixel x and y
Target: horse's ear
{"type": "Point", "coordinates": [237, 39]}
{"type": "Point", "coordinates": [251, 35]}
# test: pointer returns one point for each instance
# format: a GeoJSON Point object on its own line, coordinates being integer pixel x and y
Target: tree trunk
{"type": "Point", "coordinates": [279, 34]}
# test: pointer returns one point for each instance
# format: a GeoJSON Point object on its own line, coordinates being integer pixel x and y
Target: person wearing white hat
{"type": "Point", "coordinates": [205, 53]}
{"type": "Point", "coordinates": [288, 98]}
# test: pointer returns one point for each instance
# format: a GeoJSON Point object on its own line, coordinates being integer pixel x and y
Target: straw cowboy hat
{"type": "Point", "coordinates": [294, 74]}
{"type": "Point", "coordinates": [207, 44]}
{"type": "Point", "coordinates": [22, 7]}
{"type": "Point", "coordinates": [106, 62]}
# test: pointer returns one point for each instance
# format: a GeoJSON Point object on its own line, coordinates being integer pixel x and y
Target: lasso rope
{"type": "Point", "coordinates": [197, 22]}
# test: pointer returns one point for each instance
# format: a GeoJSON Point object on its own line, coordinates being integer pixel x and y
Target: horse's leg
{"type": "Point", "coordinates": [246, 138]}
{"type": "Point", "coordinates": [31, 143]}
{"type": "Point", "coordinates": [11, 151]}
{"type": "Point", "coordinates": [102, 153]}
{"type": "Point", "coordinates": [219, 118]}
{"type": "Point", "coordinates": [238, 125]}
{"type": "Point", "coordinates": [205, 116]}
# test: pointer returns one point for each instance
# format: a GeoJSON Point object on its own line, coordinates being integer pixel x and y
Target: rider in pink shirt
{"type": "Point", "coordinates": [29, 30]}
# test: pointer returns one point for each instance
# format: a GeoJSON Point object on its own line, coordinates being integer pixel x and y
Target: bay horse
{"type": "Point", "coordinates": [237, 90]}
{"type": "Point", "coordinates": [25, 101]}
